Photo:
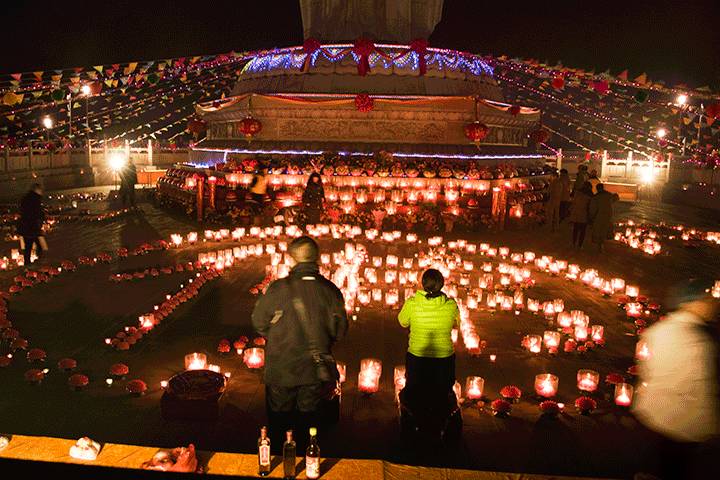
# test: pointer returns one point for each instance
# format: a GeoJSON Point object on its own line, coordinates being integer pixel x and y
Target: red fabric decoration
{"type": "Point", "coordinates": [558, 83]}
{"type": "Point", "coordinates": [712, 112]}
{"type": "Point", "coordinates": [78, 381]}
{"type": "Point", "coordinates": [363, 47]}
{"type": "Point", "coordinates": [601, 86]}
{"type": "Point", "coordinates": [514, 110]}
{"type": "Point", "coordinates": [259, 341]}
{"type": "Point", "coordinates": [420, 46]}
{"type": "Point", "coordinates": [539, 136]}
{"type": "Point", "coordinates": [250, 126]}
{"type": "Point", "coordinates": [67, 364]}
{"type": "Point", "coordinates": [137, 387]}
{"type": "Point", "coordinates": [364, 102]}
{"type": "Point", "coordinates": [476, 131]}
{"type": "Point", "coordinates": [119, 370]}
{"type": "Point", "coordinates": [311, 45]}
{"type": "Point", "coordinates": [224, 346]}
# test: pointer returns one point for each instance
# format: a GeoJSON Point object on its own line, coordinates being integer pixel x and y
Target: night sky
{"type": "Point", "coordinates": [676, 41]}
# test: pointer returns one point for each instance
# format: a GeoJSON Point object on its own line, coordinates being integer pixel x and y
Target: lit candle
{"type": "Point", "coordinates": [581, 333]}
{"type": "Point", "coordinates": [633, 309]}
{"type": "Point", "coordinates": [642, 352]}
{"type": "Point", "coordinates": [551, 339]}
{"type": "Point", "coordinates": [254, 357]}
{"type": "Point", "coordinates": [587, 380]}
{"type": "Point", "coordinates": [564, 319]}
{"type": "Point", "coordinates": [597, 333]}
{"type": "Point", "coordinates": [195, 361]}
{"type": "Point", "coordinates": [399, 377]}
{"type": "Point", "coordinates": [623, 394]}
{"type": "Point", "coordinates": [632, 291]}
{"type": "Point", "coordinates": [163, 384]}
{"type": "Point", "coordinates": [546, 385]}
{"type": "Point", "coordinates": [369, 376]}
{"type": "Point", "coordinates": [534, 343]}
{"type": "Point", "coordinates": [474, 387]}
{"type": "Point", "coordinates": [617, 284]}
{"type": "Point", "coordinates": [342, 371]}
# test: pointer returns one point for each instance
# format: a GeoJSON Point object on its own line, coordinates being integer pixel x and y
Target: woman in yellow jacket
{"type": "Point", "coordinates": [430, 315]}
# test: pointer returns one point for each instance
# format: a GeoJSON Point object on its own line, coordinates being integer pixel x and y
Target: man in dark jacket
{"type": "Point", "coordinates": [32, 217]}
{"type": "Point", "coordinates": [299, 314]}
{"type": "Point", "coordinates": [128, 180]}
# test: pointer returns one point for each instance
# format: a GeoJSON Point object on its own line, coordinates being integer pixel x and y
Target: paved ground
{"type": "Point", "coordinates": [72, 315]}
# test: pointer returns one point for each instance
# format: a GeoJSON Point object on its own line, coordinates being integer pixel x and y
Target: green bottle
{"type": "Point", "coordinates": [289, 453]}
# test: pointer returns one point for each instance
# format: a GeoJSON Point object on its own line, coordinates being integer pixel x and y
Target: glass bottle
{"type": "Point", "coordinates": [289, 451]}
{"type": "Point", "coordinates": [312, 456]}
{"type": "Point", "coordinates": [263, 453]}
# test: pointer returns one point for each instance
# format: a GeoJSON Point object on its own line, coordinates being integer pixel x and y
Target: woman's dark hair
{"type": "Point", "coordinates": [432, 282]}
{"type": "Point", "coordinates": [314, 175]}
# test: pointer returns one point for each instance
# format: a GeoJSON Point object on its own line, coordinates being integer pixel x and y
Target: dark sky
{"type": "Point", "coordinates": [672, 40]}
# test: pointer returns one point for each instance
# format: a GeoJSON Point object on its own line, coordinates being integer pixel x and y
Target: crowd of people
{"type": "Point", "coordinates": [584, 202]}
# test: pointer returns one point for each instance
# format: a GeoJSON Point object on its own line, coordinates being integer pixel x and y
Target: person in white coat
{"type": "Point", "coordinates": [678, 395]}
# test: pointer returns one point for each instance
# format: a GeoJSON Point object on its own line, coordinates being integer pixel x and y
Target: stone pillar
{"type": "Point", "coordinates": [499, 204]}
{"type": "Point", "coordinates": [149, 153]}
{"type": "Point", "coordinates": [603, 164]}
{"type": "Point", "coordinates": [559, 159]}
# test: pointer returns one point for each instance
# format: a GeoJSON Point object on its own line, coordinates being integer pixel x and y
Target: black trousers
{"type": "Point", "coordinates": [579, 233]}
{"type": "Point", "coordinates": [29, 242]}
{"type": "Point", "coordinates": [293, 408]}
{"type": "Point", "coordinates": [127, 196]}
{"type": "Point", "coordinates": [429, 375]}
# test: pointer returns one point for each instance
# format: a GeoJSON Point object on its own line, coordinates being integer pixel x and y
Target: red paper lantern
{"type": "Point", "coordinates": [476, 131]}
{"type": "Point", "coordinates": [136, 387]}
{"type": "Point", "coordinates": [67, 364]}
{"type": "Point", "coordinates": [539, 135]}
{"type": "Point", "coordinates": [250, 127]}
{"type": "Point", "coordinates": [78, 381]}
{"type": "Point", "coordinates": [119, 370]}
{"type": "Point", "coordinates": [558, 83]}
{"type": "Point", "coordinates": [712, 111]}
{"type": "Point", "coordinates": [36, 355]}
{"type": "Point", "coordinates": [514, 110]}
{"type": "Point", "coordinates": [511, 392]}
{"type": "Point", "coordinates": [501, 407]}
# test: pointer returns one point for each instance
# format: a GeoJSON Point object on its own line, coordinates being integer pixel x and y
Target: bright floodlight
{"type": "Point", "coordinates": [661, 132]}
{"type": "Point", "coordinates": [85, 89]}
{"type": "Point", "coordinates": [117, 161]}
{"type": "Point", "coordinates": [681, 99]}
{"type": "Point", "coordinates": [47, 122]}
{"type": "Point", "coordinates": [648, 175]}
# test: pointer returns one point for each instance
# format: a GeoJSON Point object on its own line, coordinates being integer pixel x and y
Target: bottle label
{"type": "Point", "coordinates": [312, 467]}
{"type": "Point", "coordinates": [264, 455]}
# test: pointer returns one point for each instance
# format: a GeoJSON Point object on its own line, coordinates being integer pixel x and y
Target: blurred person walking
{"type": "Point", "coordinates": [565, 195]}
{"type": "Point", "coordinates": [128, 180]}
{"type": "Point", "coordinates": [579, 214]}
{"type": "Point", "coordinates": [679, 394]}
{"type": "Point", "coordinates": [552, 207]}
{"type": "Point", "coordinates": [30, 224]}
{"type": "Point", "coordinates": [601, 216]}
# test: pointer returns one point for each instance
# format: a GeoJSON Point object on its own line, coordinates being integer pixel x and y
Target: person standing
{"type": "Point", "coordinates": [594, 180]}
{"type": "Point", "coordinates": [430, 359]}
{"type": "Point", "coordinates": [258, 192]}
{"type": "Point", "coordinates": [580, 178]}
{"type": "Point", "coordinates": [32, 217]}
{"type": "Point", "coordinates": [301, 316]}
{"type": "Point", "coordinates": [565, 196]}
{"type": "Point", "coordinates": [552, 207]}
{"type": "Point", "coordinates": [313, 198]}
{"type": "Point", "coordinates": [579, 212]}
{"type": "Point", "coordinates": [601, 216]}
{"type": "Point", "coordinates": [679, 396]}
{"type": "Point", "coordinates": [128, 180]}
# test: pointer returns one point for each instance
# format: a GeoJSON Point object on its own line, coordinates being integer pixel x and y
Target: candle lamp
{"type": "Point", "coordinates": [587, 380]}
{"type": "Point", "coordinates": [546, 385]}
{"type": "Point", "coordinates": [564, 319]}
{"type": "Point", "coordinates": [551, 339]}
{"type": "Point", "coordinates": [390, 276]}
{"type": "Point", "coordinates": [642, 351]}
{"type": "Point", "coordinates": [474, 387]}
{"type": "Point", "coordinates": [491, 300]}
{"type": "Point", "coordinates": [529, 257]}
{"type": "Point", "coordinates": [581, 333]}
{"type": "Point", "coordinates": [623, 394]}
{"type": "Point", "coordinates": [254, 357]}
{"type": "Point", "coordinates": [392, 297]}
{"type": "Point", "coordinates": [533, 343]}
{"type": "Point", "coordinates": [399, 377]}
{"type": "Point", "coordinates": [597, 333]}
{"type": "Point", "coordinates": [369, 376]}
{"type": "Point", "coordinates": [617, 284]}
{"type": "Point", "coordinates": [457, 388]}
{"type": "Point", "coordinates": [411, 238]}
{"type": "Point", "coordinates": [407, 263]}
{"type": "Point", "coordinates": [633, 309]}
{"type": "Point", "coordinates": [632, 291]}
{"type": "Point", "coordinates": [548, 309]}
{"type": "Point", "coordinates": [506, 304]}
{"type": "Point", "coordinates": [491, 252]}
{"type": "Point", "coordinates": [504, 252]}
{"type": "Point", "coordinates": [533, 305]}
{"type": "Point", "coordinates": [376, 295]}
{"type": "Point", "coordinates": [195, 361]}
{"type": "Point", "coordinates": [377, 262]}
{"type": "Point", "coordinates": [472, 302]}
{"type": "Point", "coordinates": [558, 305]}
{"type": "Point", "coordinates": [579, 318]}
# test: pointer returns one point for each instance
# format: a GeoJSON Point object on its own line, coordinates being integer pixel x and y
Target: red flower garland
{"type": "Point", "coordinates": [311, 45]}
{"type": "Point", "coordinates": [549, 407]}
{"type": "Point", "coordinates": [511, 391]}
{"type": "Point", "coordinates": [585, 404]}
{"type": "Point", "coordinates": [119, 370]}
{"type": "Point", "coordinates": [78, 381]}
{"type": "Point", "coordinates": [67, 364]}
{"type": "Point", "coordinates": [501, 407]}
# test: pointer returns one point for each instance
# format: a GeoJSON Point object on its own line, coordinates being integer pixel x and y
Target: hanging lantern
{"type": "Point", "coordinates": [250, 127]}
{"type": "Point", "coordinates": [539, 135]}
{"type": "Point", "coordinates": [558, 83]}
{"type": "Point", "coordinates": [476, 131]}
{"type": "Point", "coordinates": [514, 110]}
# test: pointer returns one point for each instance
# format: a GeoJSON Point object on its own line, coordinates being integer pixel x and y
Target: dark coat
{"type": "Point", "coordinates": [32, 215]}
{"type": "Point", "coordinates": [287, 357]}
{"type": "Point", "coordinates": [128, 176]}
{"type": "Point", "coordinates": [601, 216]}
{"type": "Point", "coordinates": [313, 195]}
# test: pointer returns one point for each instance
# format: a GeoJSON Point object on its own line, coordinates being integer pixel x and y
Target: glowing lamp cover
{"type": "Point", "coordinates": [546, 385]}
{"type": "Point", "coordinates": [136, 387]}
{"type": "Point", "coordinates": [587, 380]}
{"type": "Point", "coordinates": [195, 361]}
{"type": "Point", "coordinates": [623, 394]}
{"type": "Point", "coordinates": [511, 392]}
{"type": "Point", "coordinates": [254, 357]}
{"type": "Point", "coordinates": [119, 370]}
{"type": "Point", "coordinates": [78, 381]}
{"type": "Point", "coordinates": [474, 387]}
